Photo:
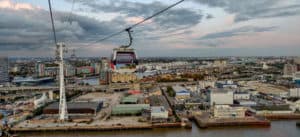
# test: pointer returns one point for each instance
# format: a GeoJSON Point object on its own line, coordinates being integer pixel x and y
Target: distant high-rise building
{"type": "Point", "coordinates": [105, 74]}
{"type": "Point", "coordinates": [40, 69]}
{"type": "Point", "coordinates": [97, 67]}
{"type": "Point", "coordinates": [69, 70]}
{"type": "Point", "coordinates": [4, 76]}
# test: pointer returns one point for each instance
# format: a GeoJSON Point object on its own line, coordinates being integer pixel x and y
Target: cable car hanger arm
{"type": "Point", "coordinates": [130, 38]}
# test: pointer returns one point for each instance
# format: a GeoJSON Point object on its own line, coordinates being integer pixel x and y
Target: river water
{"type": "Point", "coordinates": [277, 129]}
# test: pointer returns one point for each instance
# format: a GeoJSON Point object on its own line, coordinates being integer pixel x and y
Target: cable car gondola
{"type": "Point", "coordinates": [124, 59]}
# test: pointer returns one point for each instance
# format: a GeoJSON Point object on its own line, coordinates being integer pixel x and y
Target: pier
{"type": "Point", "coordinates": [293, 116]}
{"type": "Point", "coordinates": [206, 122]}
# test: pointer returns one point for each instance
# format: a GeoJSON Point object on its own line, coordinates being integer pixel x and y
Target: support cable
{"type": "Point", "coordinates": [135, 25]}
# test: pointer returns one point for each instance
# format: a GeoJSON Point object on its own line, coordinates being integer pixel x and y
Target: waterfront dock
{"type": "Point", "coordinates": [96, 127]}
{"type": "Point", "coordinates": [79, 128]}
{"type": "Point", "coordinates": [281, 116]}
{"type": "Point", "coordinates": [206, 122]}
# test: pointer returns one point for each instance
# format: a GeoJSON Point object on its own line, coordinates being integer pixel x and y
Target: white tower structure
{"type": "Point", "coordinates": [60, 49]}
{"type": "Point", "coordinates": [63, 113]}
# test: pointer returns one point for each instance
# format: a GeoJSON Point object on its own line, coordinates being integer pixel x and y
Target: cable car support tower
{"type": "Point", "coordinates": [60, 49]}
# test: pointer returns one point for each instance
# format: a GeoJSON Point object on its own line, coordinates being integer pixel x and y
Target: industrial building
{"type": "Point", "coordinates": [226, 84]}
{"type": "Point", "coordinates": [129, 109]}
{"type": "Point", "coordinates": [75, 108]}
{"type": "Point", "coordinates": [159, 113]}
{"type": "Point", "coordinates": [220, 96]}
{"type": "Point", "coordinates": [244, 102]}
{"type": "Point", "coordinates": [226, 111]}
{"type": "Point", "coordinates": [273, 109]}
{"type": "Point", "coordinates": [241, 95]}
{"type": "Point", "coordinates": [129, 100]}
{"type": "Point", "coordinates": [181, 93]}
{"type": "Point", "coordinates": [4, 77]}
{"type": "Point", "coordinates": [160, 100]}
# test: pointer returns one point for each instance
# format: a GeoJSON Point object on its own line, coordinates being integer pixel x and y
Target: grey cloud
{"type": "Point", "coordinates": [252, 9]}
{"type": "Point", "coordinates": [209, 16]}
{"type": "Point", "coordinates": [246, 30]}
{"type": "Point", "coordinates": [31, 29]}
{"type": "Point", "coordinates": [176, 17]}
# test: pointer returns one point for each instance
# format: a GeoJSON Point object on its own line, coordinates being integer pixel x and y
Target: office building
{"type": "Point", "coordinates": [69, 70]}
{"type": "Point", "coordinates": [40, 69]}
{"type": "Point", "coordinates": [105, 73]}
{"type": "Point", "coordinates": [97, 67]}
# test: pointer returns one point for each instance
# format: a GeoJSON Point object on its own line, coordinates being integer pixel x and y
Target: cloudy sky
{"type": "Point", "coordinates": [193, 28]}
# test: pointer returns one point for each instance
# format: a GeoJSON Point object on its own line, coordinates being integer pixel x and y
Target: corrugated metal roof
{"type": "Point", "coordinates": [129, 99]}
{"type": "Point", "coordinates": [179, 89]}
{"type": "Point", "coordinates": [125, 109]}
{"type": "Point", "coordinates": [75, 105]}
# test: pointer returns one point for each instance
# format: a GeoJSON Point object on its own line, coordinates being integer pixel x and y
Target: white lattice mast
{"type": "Point", "coordinates": [60, 49]}
{"type": "Point", "coordinates": [63, 113]}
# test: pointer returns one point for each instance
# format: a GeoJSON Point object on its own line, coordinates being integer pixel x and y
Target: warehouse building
{"type": "Point", "coordinates": [241, 95]}
{"type": "Point", "coordinates": [226, 84]}
{"type": "Point", "coordinates": [181, 93]}
{"type": "Point", "coordinates": [244, 102]}
{"type": "Point", "coordinates": [273, 109]}
{"type": "Point", "coordinates": [129, 109]}
{"type": "Point", "coordinates": [226, 111]}
{"type": "Point", "coordinates": [220, 96]}
{"type": "Point", "coordinates": [159, 114]}
{"type": "Point", "coordinates": [129, 100]}
{"type": "Point", "coordinates": [75, 108]}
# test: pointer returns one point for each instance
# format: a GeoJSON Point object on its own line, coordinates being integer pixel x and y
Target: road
{"type": "Point", "coordinates": [114, 86]}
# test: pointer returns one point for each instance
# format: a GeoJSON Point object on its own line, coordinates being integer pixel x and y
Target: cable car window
{"type": "Point", "coordinates": [125, 58]}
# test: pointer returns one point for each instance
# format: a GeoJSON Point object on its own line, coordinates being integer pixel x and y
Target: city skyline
{"type": "Point", "coordinates": [194, 28]}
